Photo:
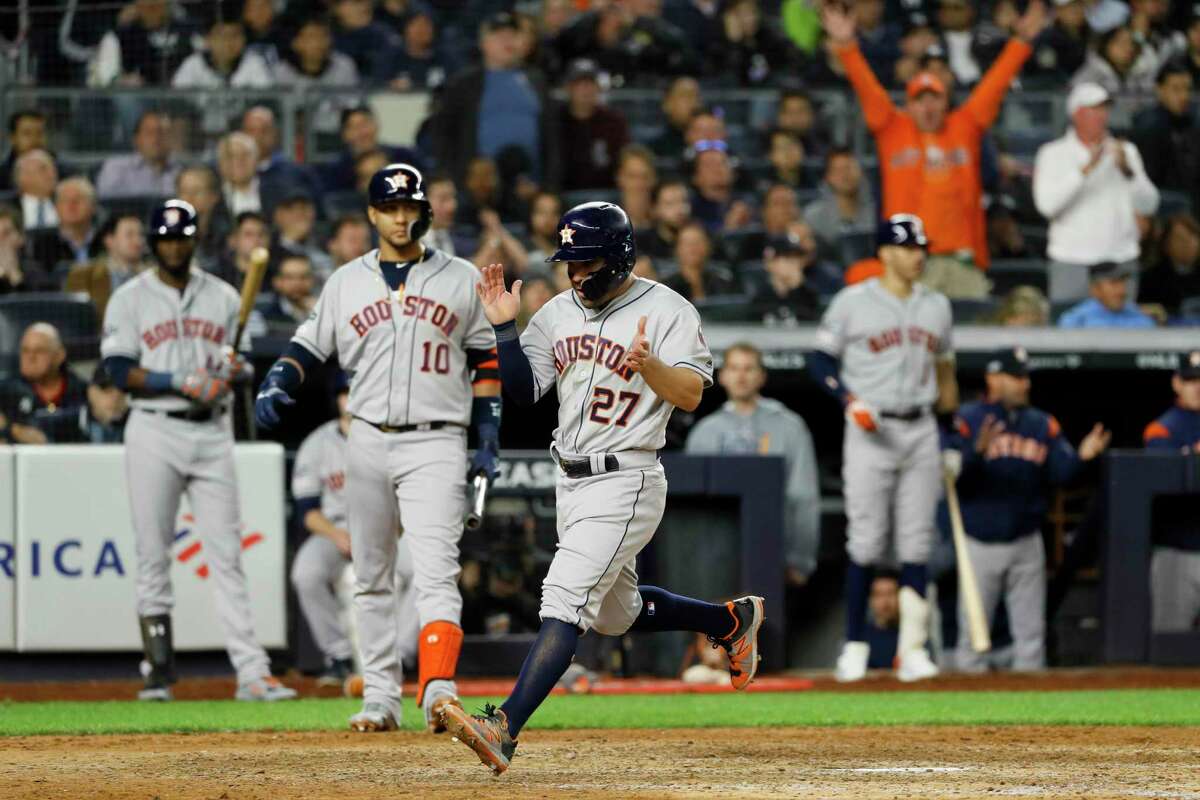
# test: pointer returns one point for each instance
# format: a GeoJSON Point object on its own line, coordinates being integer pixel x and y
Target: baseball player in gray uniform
{"type": "Point", "coordinates": [884, 351]}
{"type": "Point", "coordinates": [405, 323]}
{"type": "Point", "coordinates": [622, 353]}
{"type": "Point", "coordinates": [318, 491]}
{"type": "Point", "coordinates": [167, 340]}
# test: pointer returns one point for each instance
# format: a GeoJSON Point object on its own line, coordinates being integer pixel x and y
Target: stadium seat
{"type": "Point", "coordinates": [1171, 203]}
{"type": "Point", "coordinates": [967, 312]}
{"type": "Point", "coordinates": [727, 308]}
{"type": "Point", "coordinates": [73, 315]}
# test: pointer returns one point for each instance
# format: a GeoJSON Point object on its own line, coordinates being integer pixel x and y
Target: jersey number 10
{"type": "Point", "coordinates": [604, 399]}
{"type": "Point", "coordinates": [437, 359]}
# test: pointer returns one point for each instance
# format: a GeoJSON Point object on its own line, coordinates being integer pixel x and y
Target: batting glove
{"type": "Point", "coordinates": [486, 460]}
{"type": "Point", "coordinates": [233, 368]}
{"type": "Point", "coordinates": [862, 415]}
{"type": "Point", "coordinates": [952, 463]}
{"type": "Point", "coordinates": [201, 386]}
{"type": "Point", "coordinates": [267, 404]}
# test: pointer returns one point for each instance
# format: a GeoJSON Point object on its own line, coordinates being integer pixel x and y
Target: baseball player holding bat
{"type": "Point", "coordinates": [622, 353]}
{"type": "Point", "coordinates": [169, 340]}
{"type": "Point", "coordinates": [884, 351]}
{"type": "Point", "coordinates": [405, 322]}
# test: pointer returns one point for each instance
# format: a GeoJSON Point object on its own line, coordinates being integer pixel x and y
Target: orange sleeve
{"type": "Point", "coordinates": [1053, 429]}
{"type": "Point", "coordinates": [984, 103]}
{"type": "Point", "coordinates": [876, 104]}
{"type": "Point", "coordinates": [1155, 430]}
{"type": "Point", "coordinates": [862, 270]}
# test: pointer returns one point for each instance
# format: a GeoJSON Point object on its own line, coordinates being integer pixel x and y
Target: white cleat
{"type": "Point", "coordinates": [852, 663]}
{"type": "Point", "coordinates": [156, 694]}
{"type": "Point", "coordinates": [374, 718]}
{"type": "Point", "coordinates": [916, 665]}
{"type": "Point", "coordinates": [264, 690]}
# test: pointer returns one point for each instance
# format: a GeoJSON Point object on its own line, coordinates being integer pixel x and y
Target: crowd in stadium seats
{"type": "Point", "coordinates": [756, 217]}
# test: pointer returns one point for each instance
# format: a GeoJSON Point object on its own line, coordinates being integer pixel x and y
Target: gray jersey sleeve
{"type": "Point", "coordinates": [682, 345]}
{"type": "Point", "coordinates": [540, 351]}
{"type": "Point", "coordinates": [831, 333]}
{"type": "Point", "coordinates": [318, 333]}
{"type": "Point", "coordinates": [306, 474]}
{"type": "Point", "coordinates": [121, 336]}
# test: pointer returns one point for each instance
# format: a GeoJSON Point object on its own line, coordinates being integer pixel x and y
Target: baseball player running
{"type": "Point", "coordinates": [318, 490]}
{"type": "Point", "coordinates": [883, 350]}
{"type": "Point", "coordinates": [404, 321]}
{"type": "Point", "coordinates": [622, 352]}
{"type": "Point", "coordinates": [166, 340]}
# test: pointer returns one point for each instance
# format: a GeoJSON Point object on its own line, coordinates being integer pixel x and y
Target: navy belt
{"type": "Point", "coordinates": [420, 426]}
{"type": "Point", "coordinates": [190, 415]}
{"type": "Point", "coordinates": [582, 468]}
{"type": "Point", "coordinates": [908, 415]}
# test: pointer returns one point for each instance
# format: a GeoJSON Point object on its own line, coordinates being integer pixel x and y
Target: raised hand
{"type": "Point", "coordinates": [1095, 443]}
{"type": "Point", "coordinates": [639, 349]}
{"type": "Point", "coordinates": [499, 304]}
{"type": "Point", "coordinates": [838, 22]}
{"type": "Point", "coordinates": [1032, 22]}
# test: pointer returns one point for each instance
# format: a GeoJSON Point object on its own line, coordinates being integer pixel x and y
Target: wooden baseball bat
{"type": "Point", "coordinates": [968, 589]}
{"type": "Point", "coordinates": [254, 278]}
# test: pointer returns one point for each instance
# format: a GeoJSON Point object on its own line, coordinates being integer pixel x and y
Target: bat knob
{"type": "Point", "coordinates": [260, 254]}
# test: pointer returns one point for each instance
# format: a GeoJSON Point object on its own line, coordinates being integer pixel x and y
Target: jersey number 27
{"type": "Point", "coordinates": [604, 399]}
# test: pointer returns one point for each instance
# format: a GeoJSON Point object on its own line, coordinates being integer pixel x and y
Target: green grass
{"type": "Point", "coordinates": [1109, 707]}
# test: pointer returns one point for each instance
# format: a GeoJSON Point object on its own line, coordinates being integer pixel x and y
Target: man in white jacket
{"type": "Point", "coordinates": [225, 63]}
{"type": "Point", "coordinates": [1091, 186]}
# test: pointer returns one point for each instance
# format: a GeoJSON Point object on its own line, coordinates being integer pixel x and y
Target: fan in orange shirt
{"type": "Point", "coordinates": [929, 154]}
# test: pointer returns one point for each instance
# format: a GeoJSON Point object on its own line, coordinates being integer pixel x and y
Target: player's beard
{"type": "Point", "coordinates": [179, 269]}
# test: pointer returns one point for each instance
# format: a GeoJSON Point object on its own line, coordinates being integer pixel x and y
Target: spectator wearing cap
{"type": "Point", "coordinates": [697, 278]}
{"type": "Point", "coordinates": [359, 131]}
{"type": "Point", "coordinates": [124, 243]}
{"type": "Point", "coordinates": [292, 294]}
{"type": "Point", "coordinates": [630, 41]}
{"type": "Point", "coordinates": [43, 402]}
{"type": "Point", "coordinates": [1115, 64]}
{"type": "Point", "coordinates": [713, 202]}
{"type": "Point", "coordinates": [150, 170]}
{"type": "Point", "coordinates": [671, 208]}
{"type": "Point", "coordinates": [929, 156]}
{"type": "Point", "coordinates": [636, 179]}
{"type": "Point", "coordinates": [26, 132]}
{"type": "Point", "coordinates": [357, 34]}
{"type": "Point", "coordinates": [1009, 452]}
{"type": "Point", "coordinates": [1063, 47]}
{"type": "Point", "coordinates": [1167, 136]}
{"type": "Point", "coordinates": [786, 300]}
{"type": "Point", "coordinates": [201, 187]}
{"type": "Point", "coordinates": [294, 217]}
{"type": "Point", "coordinates": [845, 206]}
{"type": "Point", "coordinates": [146, 48]}
{"type": "Point", "coordinates": [1110, 305]}
{"type": "Point", "coordinates": [421, 63]}
{"type": "Point", "coordinates": [593, 134]}
{"type": "Point", "coordinates": [73, 241]}
{"type": "Point", "coordinates": [747, 51]}
{"type": "Point", "coordinates": [1175, 276]}
{"type": "Point", "coordinates": [1089, 185]}
{"type": "Point", "coordinates": [680, 103]}
{"type": "Point", "coordinates": [275, 171]}
{"type": "Point", "coordinates": [310, 62]}
{"type": "Point", "coordinates": [16, 273]}
{"type": "Point", "coordinates": [103, 421]}
{"type": "Point", "coordinates": [1175, 559]}
{"type": "Point", "coordinates": [499, 110]}
{"type": "Point", "coordinates": [750, 424]}
{"type": "Point", "coordinates": [35, 176]}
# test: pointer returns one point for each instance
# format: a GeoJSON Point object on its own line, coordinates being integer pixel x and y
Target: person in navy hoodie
{"type": "Point", "coordinates": [1011, 451]}
{"type": "Point", "coordinates": [1175, 563]}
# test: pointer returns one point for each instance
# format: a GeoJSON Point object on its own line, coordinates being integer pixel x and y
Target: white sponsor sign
{"type": "Point", "coordinates": [76, 565]}
{"type": "Point", "coordinates": [8, 614]}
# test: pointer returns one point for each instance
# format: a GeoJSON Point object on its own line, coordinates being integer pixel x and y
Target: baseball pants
{"type": "Point", "coordinates": [1174, 589]}
{"type": "Point", "coordinates": [416, 479]}
{"type": "Point", "coordinates": [892, 483]}
{"type": "Point", "coordinates": [603, 523]}
{"type": "Point", "coordinates": [164, 458]}
{"type": "Point", "coordinates": [1015, 570]}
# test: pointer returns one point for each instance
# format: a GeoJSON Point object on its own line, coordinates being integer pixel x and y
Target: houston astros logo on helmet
{"type": "Point", "coordinates": [397, 182]}
{"type": "Point", "coordinates": [171, 217]}
{"type": "Point", "coordinates": [567, 235]}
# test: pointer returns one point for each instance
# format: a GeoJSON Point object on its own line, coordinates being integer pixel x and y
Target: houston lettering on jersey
{"type": "Point", "coordinates": [893, 336]}
{"type": "Point", "coordinates": [589, 347]}
{"type": "Point", "coordinates": [193, 328]}
{"type": "Point", "coordinates": [1011, 445]}
{"type": "Point", "coordinates": [423, 308]}
{"type": "Point", "coordinates": [335, 481]}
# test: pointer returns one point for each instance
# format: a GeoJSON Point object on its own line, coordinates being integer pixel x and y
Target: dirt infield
{"type": "Point", "coordinates": [223, 688]}
{"type": "Point", "coordinates": [742, 763]}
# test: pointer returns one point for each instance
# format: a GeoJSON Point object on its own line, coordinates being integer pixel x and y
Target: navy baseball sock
{"type": "Point", "coordinates": [858, 592]}
{"type": "Point", "coordinates": [915, 576]}
{"type": "Point", "coordinates": [548, 659]}
{"type": "Point", "coordinates": [663, 611]}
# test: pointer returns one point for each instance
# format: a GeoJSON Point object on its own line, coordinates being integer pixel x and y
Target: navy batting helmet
{"type": "Point", "coordinates": [174, 219]}
{"type": "Point", "coordinates": [905, 230]}
{"type": "Point", "coordinates": [597, 230]}
{"type": "Point", "coordinates": [402, 183]}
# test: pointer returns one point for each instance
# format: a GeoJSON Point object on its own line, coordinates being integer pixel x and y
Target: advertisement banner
{"type": "Point", "coordinates": [76, 564]}
{"type": "Point", "coordinates": [8, 614]}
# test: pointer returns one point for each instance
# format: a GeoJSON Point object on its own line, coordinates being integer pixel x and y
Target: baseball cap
{"type": "Point", "coordinates": [924, 82]}
{"type": "Point", "coordinates": [905, 230]}
{"type": "Point", "coordinates": [1189, 365]}
{"type": "Point", "coordinates": [784, 246]}
{"type": "Point", "coordinates": [1086, 95]}
{"type": "Point", "coordinates": [582, 68]}
{"type": "Point", "coordinates": [293, 192]}
{"type": "Point", "coordinates": [499, 21]}
{"type": "Point", "coordinates": [1009, 361]}
{"type": "Point", "coordinates": [1107, 270]}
